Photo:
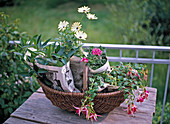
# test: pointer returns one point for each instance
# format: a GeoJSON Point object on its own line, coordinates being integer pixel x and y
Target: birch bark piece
{"type": "Point", "coordinates": [105, 67]}
{"type": "Point", "coordinates": [60, 76]}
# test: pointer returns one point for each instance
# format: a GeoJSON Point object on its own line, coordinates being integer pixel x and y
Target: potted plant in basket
{"type": "Point", "coordinates": [50, 60]}
{"type": "Point", "coordinates": [125, 78]}
{"type": "Point", "coordinates": [96, 60]}
{"type": "Point", "coordinates": [54, 57]}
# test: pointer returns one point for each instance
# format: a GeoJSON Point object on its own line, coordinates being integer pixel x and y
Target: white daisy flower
{"type": "Point", "coordinates": [76, 27]}
{"type": "Point", "coordinates": [91, 16]}
{"type": "Point", "coordinates": [81, 35]}
{"type": "Point", "coordinates": [62, 25]}
{"type": "Point", "coordinates": [84, 9]}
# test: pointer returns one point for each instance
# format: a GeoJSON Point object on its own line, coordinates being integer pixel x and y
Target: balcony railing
{"type": "Point", "coordinates": [136, 59]}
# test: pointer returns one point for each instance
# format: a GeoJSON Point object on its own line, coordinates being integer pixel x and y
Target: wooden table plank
{"type": "Point", "coordinates": [13, 120]}
{"type": "Point", "coordinates": [38, 109]}
{"type": "Point", "coordinates": [118, 116]}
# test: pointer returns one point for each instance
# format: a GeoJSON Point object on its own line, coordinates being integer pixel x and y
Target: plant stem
{"type": "Point", "coordinates": [82, 17]}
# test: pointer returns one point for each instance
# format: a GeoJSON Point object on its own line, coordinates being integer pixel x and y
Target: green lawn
{"type": "Point", "coordinates": [113, 24]}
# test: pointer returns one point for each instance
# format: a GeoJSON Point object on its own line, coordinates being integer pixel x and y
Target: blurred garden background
{"type": "Point", "coordinates": [136, 22]}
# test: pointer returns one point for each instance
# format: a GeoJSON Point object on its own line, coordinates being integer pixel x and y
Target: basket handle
{"type": "Point", "coordinates": [85, 77]}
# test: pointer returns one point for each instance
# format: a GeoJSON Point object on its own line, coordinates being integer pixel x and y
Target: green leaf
{"type": "Point", "coordinates": [10, 110]}
{"type": "Point", "coordinates": [42, 71]}
{"type": "Point", "coordinates": [49, 51]}
{"type": "Point", "coordinates": [53, 47]}
{"type": "Point", "coordinates": [1, 102]}
{"type": "Point", "coordinates": [72, 52]}
{"type": "Point", "coordinates": [120, 77]}
{"type": "Point", "coordinates": [126, 96]}
{"type": "Point", "coordinates": [39, 45]}
{"type": "Point", "coordinates": [24, 74]}
{"type": "Point", "coordinates": [57, 49]}
{"type": "Point", "coordinates": [61, 51]}
{"type": "Point", "coordinates": [92, 103]}
{"type": "Point", "coordinates": [56, 56]}
{"type": "Point", "coordinates": [91, 79]}
{"type": "Point", "coordinates": [64, 61]}
{"type": "Point", "coordinates": [27, 94]}
{"type": "Point", "coordinates": [17, 53]}
{"type": "Point", "coordinates": [38, 40]}
{"type": "Point", "coordinates": [45, 43]}
{"type": "Point", "coordinates": [126, 83]}
{"type": "Point", "coordinates": [41, 61]}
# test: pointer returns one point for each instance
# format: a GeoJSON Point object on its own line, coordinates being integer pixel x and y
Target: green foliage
{"type": "Point", "coordinates": [129, 17]}
{"type": "Point", "coordinates": [157, 116]}
{"type": "Point", "coordinates": [123, 77]}
{"type": "Point", "coordinates": [55, 3]}
{"type": "Point", "coordinates": [47, 53]}
{"type": "Point", "coordinates": [147, 22]}
{"type": "Point", "coordinates": [159, 11]}
{"type": "Point", "coordinates": [14, 87]}
{"type": "Point", "coordinates": [129, 77]}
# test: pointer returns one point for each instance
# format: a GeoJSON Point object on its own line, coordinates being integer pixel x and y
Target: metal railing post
{"type": "Point", "coordinates": [165, 93]}
{"type": "Point", "coordinates": [120, 53]}
{"type": "Point", "coordinates": [137, 52]}
{"type": "Point", "coordinates": [152, 69]}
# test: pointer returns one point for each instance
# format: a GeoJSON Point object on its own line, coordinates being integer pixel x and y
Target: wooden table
{"type": "Point", "coordinates": [38, 109]}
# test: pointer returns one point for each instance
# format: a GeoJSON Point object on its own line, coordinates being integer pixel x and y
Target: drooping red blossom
{"type": "Point", "coordinates": [129, 73]}
{"type": "Point", "coordinates": [143, 96]}
{"type": "Point", "coordinates": [78, 110]}
{"type": "Point", "coordinates": [140, 99]}
{"type": "Point", "coordinates": [146, 93]}
{"type": "Point", "coordinates": [94, 116]}
{"type": "Point", "coordinates": [135, 71]}
{"type": "Point", "coordinates": [134, 108]}
{"type": "Point", "coordinates": [137, 76]}
{"type": "Point", "coordinates": [131, 109]}
{"type": "Point", "coordinates": [85, 111]}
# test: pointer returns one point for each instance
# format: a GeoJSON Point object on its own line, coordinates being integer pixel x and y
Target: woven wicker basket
{"type": "Point", "coordinates": [103, 102]}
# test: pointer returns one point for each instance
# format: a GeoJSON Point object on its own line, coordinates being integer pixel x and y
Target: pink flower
{"type": "Point", "coordinates": [137, 76]}
{"type": "Point", "coordinates": [84, 60]}
{"type": "Point", "coordinates": [78, 110]}
{"type": "Point", "coordinates": [129, 110]}
{"type": "Point", "coordinates": [85, 110]}
{"type": "Point", "coordinates": [96, 51]}
{"type": "Point", "coordinates": [143, 96]}
{"type": "Point", "coordinates": [140, 99]}
{"type": "Point", "coordinates": [135, 71]}
{"type": "Point", "coordinates": [129, 73]}
{"type": "Point", "coordinates": [134, 108]}
{"type": "Point", "coordinates": [94, 116]}
{"type": "Point", "coordinates": [146, 93]}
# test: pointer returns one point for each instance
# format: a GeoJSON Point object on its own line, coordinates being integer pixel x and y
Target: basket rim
{"type": "Point", "coordinates": [77, 94]}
